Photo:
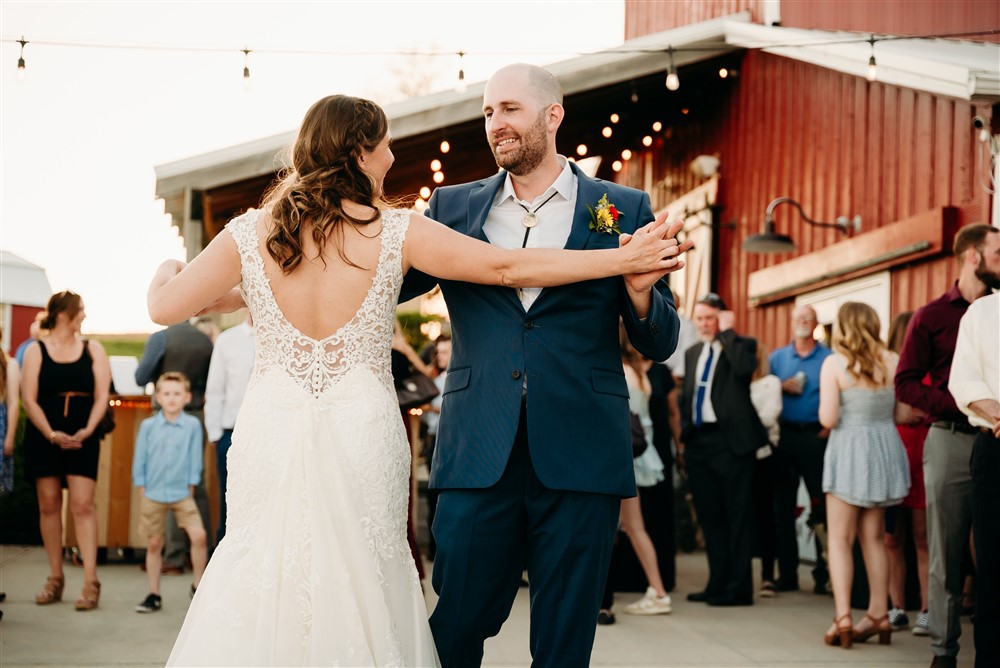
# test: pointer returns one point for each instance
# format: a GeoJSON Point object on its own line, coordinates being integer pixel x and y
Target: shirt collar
{"type": "Point", "coordinates": [161, 419]}
{"type": "Point", "coordinates": [565, 185]}
{"type": "Point", "coordinates": [812, 353]}
{"type": "Point", "coordinates": [954, 294]}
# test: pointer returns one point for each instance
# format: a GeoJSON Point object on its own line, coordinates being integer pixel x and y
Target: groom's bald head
{"type": "Point", "coordinates": [538, 82]}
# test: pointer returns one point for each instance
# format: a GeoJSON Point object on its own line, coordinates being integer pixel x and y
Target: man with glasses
{"type": "Point", "coordinates": [928, 350]}
{"type": "Point", "coordinates": [801, 450]}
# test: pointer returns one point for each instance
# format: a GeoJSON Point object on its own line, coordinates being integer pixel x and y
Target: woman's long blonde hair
{"type": "Point", "coordinates": [856, 337]}
{"type": "Point", "coordinates": [324, 172]}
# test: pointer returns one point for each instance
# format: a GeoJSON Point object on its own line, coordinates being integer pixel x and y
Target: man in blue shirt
{"type": "Point", "coordinates": [166, 467]}
{"type": "Point", "coordinates": [801, 450]}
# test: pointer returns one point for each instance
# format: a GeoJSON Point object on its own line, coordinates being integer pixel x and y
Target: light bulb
{"type": "Point", "coordinates": [872, 70]}
{"type": "Point", "coordinates": [445, 146]}
{"type": "Point", "coordinates": [657, 126]}
{"type": "Point", "coordinates": [673, 81]}
{"type": "Point", "coordinates": [425, 192]}
{"type": "Point", "coordinates": [438, 177]}
{"type": "Point", "coordinates": [723, 73]}
{"type": "Point", "coordinates": [606, 132]}
{"type": "Point", "coordinates": [647, 141]}
{"type": "Point", "coordinates": [435, 165]}
{"type": "Point", "coordinates": [614, 118]}
{"type": "Point", "coordinates": [626, 154]}
{"type": "Point", "coordinates": [20, 69]}
{"type": "Point", "coordinates": [581, 150]}
{"type": "Point", "coordinates": [616, 165]}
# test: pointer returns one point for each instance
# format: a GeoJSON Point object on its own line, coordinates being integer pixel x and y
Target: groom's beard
{"type": "Point", "coordinates": [529, 154]}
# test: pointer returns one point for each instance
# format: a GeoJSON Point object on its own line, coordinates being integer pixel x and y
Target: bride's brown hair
{"type": "Point", "coordinates": [324, 172]}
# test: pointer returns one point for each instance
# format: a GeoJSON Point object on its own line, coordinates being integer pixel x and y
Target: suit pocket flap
{"type": "Point", "coordinates": [457, 379]}
{"type": "Point", "coordinates": [609, 382]}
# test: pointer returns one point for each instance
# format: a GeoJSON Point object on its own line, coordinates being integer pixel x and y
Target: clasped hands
{"type": "Point", "coordinates": [641, 282]}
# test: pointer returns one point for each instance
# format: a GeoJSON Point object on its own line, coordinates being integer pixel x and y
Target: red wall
{"type": "Point", "coordinates": [21, 318]}
{"type": "Point", "coordinates": [643, 17]}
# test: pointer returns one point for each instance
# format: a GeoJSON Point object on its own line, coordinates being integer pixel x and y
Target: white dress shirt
{"type": "Point", "coordinates": [975, 368]}
{"type": "Point", "coordinates": [503, 226]}
{"type": "Point", "coordinates": [228, 377]}
{"type": "Point", "coordinates": [687, 336]}
{"type": "Point", "coordinates": [707, 410]}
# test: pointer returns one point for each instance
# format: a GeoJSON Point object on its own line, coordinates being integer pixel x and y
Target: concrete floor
{"type": "Point", "coordinates": [780, 632]}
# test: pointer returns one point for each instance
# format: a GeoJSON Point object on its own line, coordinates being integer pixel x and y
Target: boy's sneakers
{"type": "Point", "coordinates": [650, 604]}
{"type": "Point", "coordinates": [151, 603]}
{"type": "Point", "coordinates": [898, 619]}
{"type": "Point", "coordinates": [921, 628]}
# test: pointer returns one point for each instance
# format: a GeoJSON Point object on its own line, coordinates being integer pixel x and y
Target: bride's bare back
{"type": "Point", "coordinates": [321, 295]}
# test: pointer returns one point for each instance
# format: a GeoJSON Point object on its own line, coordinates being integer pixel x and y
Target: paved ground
{"type": "Point", "coordinates": [781, 632]}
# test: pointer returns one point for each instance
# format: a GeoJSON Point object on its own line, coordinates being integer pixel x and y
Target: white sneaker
{"type": "Point", "coordinates": [920, 628]}
{"type": "Point", "coordinates": [650, 604]}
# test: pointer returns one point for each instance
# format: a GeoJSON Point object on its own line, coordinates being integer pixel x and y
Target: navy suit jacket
{"type": "Point", "coordinates": [566, 345]}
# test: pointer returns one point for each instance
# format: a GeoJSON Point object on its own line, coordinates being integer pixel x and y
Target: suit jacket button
{"type": "Point", "coordinates": [528, 324]}
{"type": "Point", "coordinates": [516, 374]}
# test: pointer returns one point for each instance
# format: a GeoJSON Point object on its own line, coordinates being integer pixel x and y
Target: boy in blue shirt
{"type": "Point", "coordinates": [166, 467]}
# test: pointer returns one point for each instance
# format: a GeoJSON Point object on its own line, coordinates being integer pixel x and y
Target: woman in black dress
{"type": "Point", "coordinates": [65, 387]}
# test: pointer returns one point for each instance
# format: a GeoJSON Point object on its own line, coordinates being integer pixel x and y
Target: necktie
{"type": "Point", "coordinates": [699, 397]}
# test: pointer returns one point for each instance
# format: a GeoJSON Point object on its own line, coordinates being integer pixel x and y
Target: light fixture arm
{"type": "Point", "coordinates": [845, 225]}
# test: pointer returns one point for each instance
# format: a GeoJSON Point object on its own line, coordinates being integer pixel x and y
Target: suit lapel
{"type": "Point", "coordinates": [480, 202]}
{"type": "Point", "coordinates": [588, 191]}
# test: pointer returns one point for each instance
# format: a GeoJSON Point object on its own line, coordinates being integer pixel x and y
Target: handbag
{"type": "Point", "coordinates": [639, 443]}
{"type": "Point", "coordinates": [415, 391]}
{"type": "Point", "coordinates": [107, 423]}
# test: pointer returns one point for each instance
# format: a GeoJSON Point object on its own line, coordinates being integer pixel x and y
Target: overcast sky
{"type": "Point", "coordinates": [81, 133]}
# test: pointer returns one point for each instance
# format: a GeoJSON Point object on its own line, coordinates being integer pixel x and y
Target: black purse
{"type": "Point", "coordinates": [415, 391]}
{"type": "Point", "coordinates": [639, 443]}
{"type": "Point", "coordinates": [107, 423]}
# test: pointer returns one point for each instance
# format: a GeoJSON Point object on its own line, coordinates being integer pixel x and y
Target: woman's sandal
{"type": "Point", "coordinates": [880, 627]}
{"type": "Point", "coordinates": [51, 591]}
{"type": "Point", "coordinates": [843, 636]}
{"type": "Point", "coordinates": [91, 595]}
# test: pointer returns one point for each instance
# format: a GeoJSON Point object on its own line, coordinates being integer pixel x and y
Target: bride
{"type": "Point", "coordinates": [315, 567]}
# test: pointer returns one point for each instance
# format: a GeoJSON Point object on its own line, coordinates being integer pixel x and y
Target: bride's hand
{"type": "Point", "coordinates": [653, 251]}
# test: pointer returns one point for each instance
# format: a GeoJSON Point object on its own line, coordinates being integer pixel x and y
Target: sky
{"type": "Point", "coordinates": [80, 135]}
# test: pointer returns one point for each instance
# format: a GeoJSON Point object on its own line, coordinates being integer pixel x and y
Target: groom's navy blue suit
{"type": "Point", "coordinates": [534, 479]}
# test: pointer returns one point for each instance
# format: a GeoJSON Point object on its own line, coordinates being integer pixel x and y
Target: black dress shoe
{"type": "Point", "coordinates": [726, 602]}
{"type": "Point", "coordinates": [944, 662]}
{"type": "Point", "coordinates": [786, 586]}
{"type": "Point", "coordinates": [698, 597]}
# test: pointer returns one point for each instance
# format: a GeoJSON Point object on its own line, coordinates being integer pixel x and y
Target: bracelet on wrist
{"type": "Point", "coordinates": [52, 437]}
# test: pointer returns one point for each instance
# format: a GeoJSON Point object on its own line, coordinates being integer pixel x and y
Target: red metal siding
{"type": "Point", "coordinates": [841, 146]}
{"type": "Point", "coordinates": [643, 17]}
{"type": "Point", "coordinates": [896, 17]}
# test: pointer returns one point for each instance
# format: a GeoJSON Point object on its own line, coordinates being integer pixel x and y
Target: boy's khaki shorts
{"type": "Point", "coordinates": [153, 513]}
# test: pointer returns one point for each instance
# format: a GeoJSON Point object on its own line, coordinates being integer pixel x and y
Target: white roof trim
{"type": "Point", "coordinates": [961, 69]}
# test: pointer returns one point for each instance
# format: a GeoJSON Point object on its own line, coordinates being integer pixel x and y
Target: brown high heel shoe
{"type": "Point", "coordinates": [91, 595]}
{"type": "Point", "coordinates": [51, 591]}
{"type": "Point", "coordinates": [879, 626]}
{"type": "Point", "coordinates": [843, 636]}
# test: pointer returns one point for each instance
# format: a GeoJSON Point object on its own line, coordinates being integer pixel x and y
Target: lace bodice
{"type": "Point", "coordinates": [363, 341]}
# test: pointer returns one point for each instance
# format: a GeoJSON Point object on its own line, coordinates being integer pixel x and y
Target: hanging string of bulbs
{"type": "Point", "coordinates": [673, 81]}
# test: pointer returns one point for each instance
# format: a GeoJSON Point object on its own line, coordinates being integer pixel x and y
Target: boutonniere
{"type": "Point", "coordinates": [604, 216]}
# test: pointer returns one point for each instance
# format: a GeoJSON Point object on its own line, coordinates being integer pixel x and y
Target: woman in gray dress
{"type": "Point", "coordinates": [865, 467]}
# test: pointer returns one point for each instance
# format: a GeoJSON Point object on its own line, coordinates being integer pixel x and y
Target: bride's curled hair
{"type": "Point", "coordinates": [856, 337]}
{"type": "Point", "coordinates": [324, 172]}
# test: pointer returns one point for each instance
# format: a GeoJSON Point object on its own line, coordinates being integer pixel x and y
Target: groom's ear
{"type": "Point", "coordinates": [554, 116]}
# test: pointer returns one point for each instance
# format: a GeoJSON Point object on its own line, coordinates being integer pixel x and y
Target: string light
{"type": "Point", "coordinates": [635, 95]}
{"type": "Point", "coordinates": [435, 165]}
{"type": "Point", "coordinates": [872, 70]}
{"type": "Point", "coordinates": [673, 81]}
{"type": "Point", "coordinates": [438, 177]}
{"type": "Point", "coordinates": [626, 154]}
{"type": "Point", "coordinates": [606, 131]}
{"type": "Point", "coordinates": [425, 192]}
{"type": "Point", "coordinates": [460, 86]}
{"type": "Point", "coordinates": [647, 141]}
{"type": "Point", "coordinates": [246, 68]}
{"type": "Point", "coordinates": [20, 60]}
{"type": "Point", "coordinates": [723, 73]}
{"type": "Point", "coordinates": [615, 118]}
{"type": "Point", "coordinates": [616, 165]}
{"type": "Point", "coordinates": [581, 150]}
{"type": "Point", "coordinates": [445, 146]}
{"type": "Point", "coordinates": [657, 126]}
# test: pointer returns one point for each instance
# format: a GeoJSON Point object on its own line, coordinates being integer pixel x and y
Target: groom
{"type": "Point", "coordinates": [533, 449]}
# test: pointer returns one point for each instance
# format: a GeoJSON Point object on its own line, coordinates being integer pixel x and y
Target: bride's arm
{"type": "Point", "coordinates": [178, 291]}
{"type": "Point", "coordinates": [439, 251]}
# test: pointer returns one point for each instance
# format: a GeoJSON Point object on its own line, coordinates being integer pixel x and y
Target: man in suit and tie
{"type": "Point", "coordinates": [721, 431]}
{"type": "Point", "coordinates": [533, 450]}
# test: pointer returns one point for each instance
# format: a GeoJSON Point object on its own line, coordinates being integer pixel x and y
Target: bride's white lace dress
{"type": "Point", "coordinates": [315, 569]}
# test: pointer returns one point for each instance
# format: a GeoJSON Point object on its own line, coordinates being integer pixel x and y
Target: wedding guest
{"type": "Point", "coordinates": [440, 358]}
{"type": "Point", "coordinates": [910, 517]}
{"type": "Point", "coordinates": [803, 444]}
{"type": "Point", "coordinates": [228, 376]}
{"type": "Point", "coordinates": [864, 469]}
{"type": "Point", "coordinates": [974, 382]}
{"type": "Point", "coordinates": [33, 331]}
{"type": "Point", "coordinates": [185, 348]}
{"type": "Point", "coordinates": [10, 394]}
{"type": "Point", "coordinates": [765, 393]}
{"type": "Point", "coordinates": [166, 467]}
{"type": "Point", "coordinates": [721, 433]}
{"type": "Point", "coordinates": [65, 393]}
{"type": "Point", "coordinates": [687, 336]}
{"type": "Point", "coordinates": [928, 349]}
